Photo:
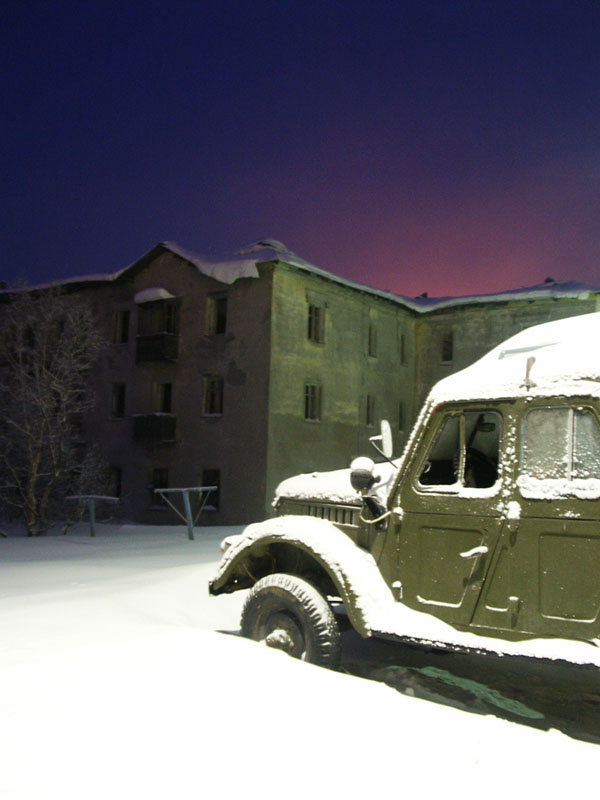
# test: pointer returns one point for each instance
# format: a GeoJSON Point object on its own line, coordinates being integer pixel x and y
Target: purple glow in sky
{"type": "Point", "coordinates": [446, 146]}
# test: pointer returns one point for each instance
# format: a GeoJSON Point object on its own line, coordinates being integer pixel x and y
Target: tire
{"type": "Point", "coordinates": [288, 613]}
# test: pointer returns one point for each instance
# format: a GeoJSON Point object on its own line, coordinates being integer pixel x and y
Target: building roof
{"type": "Point", "coordinates": [244, 264]}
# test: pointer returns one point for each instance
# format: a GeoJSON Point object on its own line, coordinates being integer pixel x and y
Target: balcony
{"type": "Point", "coordinates": [157, 347]}
{"type": "Point", "coordinates": [154, 428]}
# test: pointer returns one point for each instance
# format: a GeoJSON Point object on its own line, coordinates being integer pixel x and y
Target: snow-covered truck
{"type": "Point", "coordinates": [484, 535]}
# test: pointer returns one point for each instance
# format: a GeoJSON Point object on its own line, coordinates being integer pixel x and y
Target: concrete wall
{"type": "Point", "coordinates": [343, 368]}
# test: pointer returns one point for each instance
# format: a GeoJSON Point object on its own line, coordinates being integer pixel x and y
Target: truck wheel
{"type": "Point", "coordinates": [288, 613]}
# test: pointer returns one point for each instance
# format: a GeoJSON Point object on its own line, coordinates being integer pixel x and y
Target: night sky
{"type": "Point", "coordinates": [447, 147]}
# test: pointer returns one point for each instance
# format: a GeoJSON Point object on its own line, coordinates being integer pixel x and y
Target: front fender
{"type": "Point", "coordinates": [352, 571]}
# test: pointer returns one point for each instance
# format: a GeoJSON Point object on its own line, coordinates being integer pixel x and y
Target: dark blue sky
{"type": "Point", "coordinates": [450, 147]}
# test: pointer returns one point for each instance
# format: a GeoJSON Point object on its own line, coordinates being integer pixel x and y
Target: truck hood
{"type": "Point", "coordinates": [334, 486]}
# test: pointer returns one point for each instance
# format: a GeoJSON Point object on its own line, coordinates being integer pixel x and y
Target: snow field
{"type": "Point", "coordinates": [115, 683]}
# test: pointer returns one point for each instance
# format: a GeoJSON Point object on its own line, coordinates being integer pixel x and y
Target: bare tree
{"type": "Point", "coordinates": [48, 346]}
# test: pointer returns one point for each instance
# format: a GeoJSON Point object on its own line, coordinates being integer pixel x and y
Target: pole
{"type": "Point", "coordinates": [188, 513]}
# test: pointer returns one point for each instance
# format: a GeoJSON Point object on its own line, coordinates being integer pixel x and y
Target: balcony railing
{"type": "Point", "coordinates": [157, 347]}
{"type": "Point", "coordinates": [154, 428]}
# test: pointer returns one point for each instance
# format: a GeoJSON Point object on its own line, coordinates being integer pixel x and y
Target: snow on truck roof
{"type": "Point", "coordinates": [560, 357]}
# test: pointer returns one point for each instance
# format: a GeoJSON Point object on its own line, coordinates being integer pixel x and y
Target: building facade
{"type": "Point", "coordinates": [243, 372]}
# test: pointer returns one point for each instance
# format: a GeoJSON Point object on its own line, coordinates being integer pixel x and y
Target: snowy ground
{"type": "Point", "coordinates": [116, 683]}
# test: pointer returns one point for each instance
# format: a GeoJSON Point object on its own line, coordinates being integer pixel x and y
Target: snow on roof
{"type": "Point", "coordinates": [547, 290]}
{"type": "Point", "coordinates": [228, 270]}
{"type": "Point", "coordinates": [242, 263]}
{"type": "Point", "coordinates": [559, 357]}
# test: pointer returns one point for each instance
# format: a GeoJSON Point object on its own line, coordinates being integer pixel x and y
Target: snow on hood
{"type": "Point", "coordinates": [334, 486]}
{"type": "Point", "coordinates": [558, 357]}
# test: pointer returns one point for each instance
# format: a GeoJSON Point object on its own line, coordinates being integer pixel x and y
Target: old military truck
{"type": "Point", "coordinates": [484, 534]}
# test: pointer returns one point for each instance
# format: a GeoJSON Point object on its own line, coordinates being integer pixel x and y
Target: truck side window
{"type": "Point", "coordinates": [440, 466]}
{"type": "Point", "coordinates": [465, 452]}
{"type": "Point", "coordinates": [586, 445]}
{"type": "Point", "coordinates": [561, 444]}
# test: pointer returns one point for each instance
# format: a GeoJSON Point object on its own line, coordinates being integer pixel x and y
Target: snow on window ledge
{"type": "Point", "coordinates": [558, 488]}
{"type": "Point", "coordinates": [458, 490]}
{"type": "Point", "coordinates": [152, 295]}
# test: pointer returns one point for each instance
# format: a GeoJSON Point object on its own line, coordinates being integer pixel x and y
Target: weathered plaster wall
{"type": "Point", "coordinates": [343, 368]}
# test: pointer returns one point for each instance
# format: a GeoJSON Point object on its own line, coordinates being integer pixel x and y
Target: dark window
{"type": "Point", "coordinates": [212, 395]}
{"type": "Point", "coordinates": [370, 410]}
{"type": "Point", "coordinates": [447, 348]}
{"type": "Point", "coordinates": [402, 348]}
{"type": "Point", "coordinates": [120, 327]}
{"type": "Point", "coordinates": [212, 477]}
{"type": "Point", "coordinates": [372, 340]}
{"type": "Point", "coordinates": [115, 481]}
{"type": "Point", "coordinates": [161, 397]}
{"type": "Point", "coordinates": [216, 314]}
{"type": "Point", "coordinates": [158, 317]}
{"type": "Point", "coordinates": [117, 400]}
{"type": "Point", "coordinates": [312, 402]}
{"type": "Point", "coordinates": [159, 480]}
{"type": "Point", "coordinates": [316, 323]}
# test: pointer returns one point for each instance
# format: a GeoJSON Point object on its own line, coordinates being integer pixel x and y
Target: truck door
{"type": "Point", "coordinates": [450, 512]}
{"type": "Point", "coordinates": [554, 548]}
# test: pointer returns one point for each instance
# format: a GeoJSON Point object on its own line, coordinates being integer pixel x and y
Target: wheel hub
{"type": "Point", "coordinates": [282, 632]}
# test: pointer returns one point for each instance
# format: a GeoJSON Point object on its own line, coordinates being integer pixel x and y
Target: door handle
{"type": "Point", "coordinates": [475, 552]}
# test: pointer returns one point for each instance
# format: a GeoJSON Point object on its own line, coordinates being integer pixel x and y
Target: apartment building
{"type": "Point", "coordinates": [240, 372]}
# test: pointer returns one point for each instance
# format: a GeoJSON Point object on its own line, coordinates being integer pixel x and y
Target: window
{"type": "Point", "coordinates": [561, 448]}
{"type": "Point", "coordinates": [216, 314]}
{"type": "Point", "coordinates": [372, 344]}
{"type": "Point", "coordinates": [158, 317]}
{"type": "Point", "coordinates": [316, 323]}
{"type": "Point", "coordinates": [212, 395]}
{"type": "Point", "coordinates": [161, 397]}
{"type": "Point", "coordinates": [312, 402]}
{"type": "Point", "coordinates": [212, 477]}
{"type": "Point", "coordinates": [448, 347]}
{"type": "Point", "coordinates": [115, 481]}
{"type": "Point", "coordinates": [465, 452]}
{"type": "Point", "coordinates": [402, 348]}
{"type": "Point", "coordinates": [120, 327]}
{"type": "Point", "coordinates": [370, 410]}
{"type": "Point", "coordinates": [159, 480]}
{"type": "Point", "coordinates": [117, 400]}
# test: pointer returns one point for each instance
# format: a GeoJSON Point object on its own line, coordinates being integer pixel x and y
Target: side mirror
{"type": "Point", "coordinates": [383, 441]}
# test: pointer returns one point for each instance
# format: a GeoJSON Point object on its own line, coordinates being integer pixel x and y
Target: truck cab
{"type": "Point", "coordinates": [484, 534]}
